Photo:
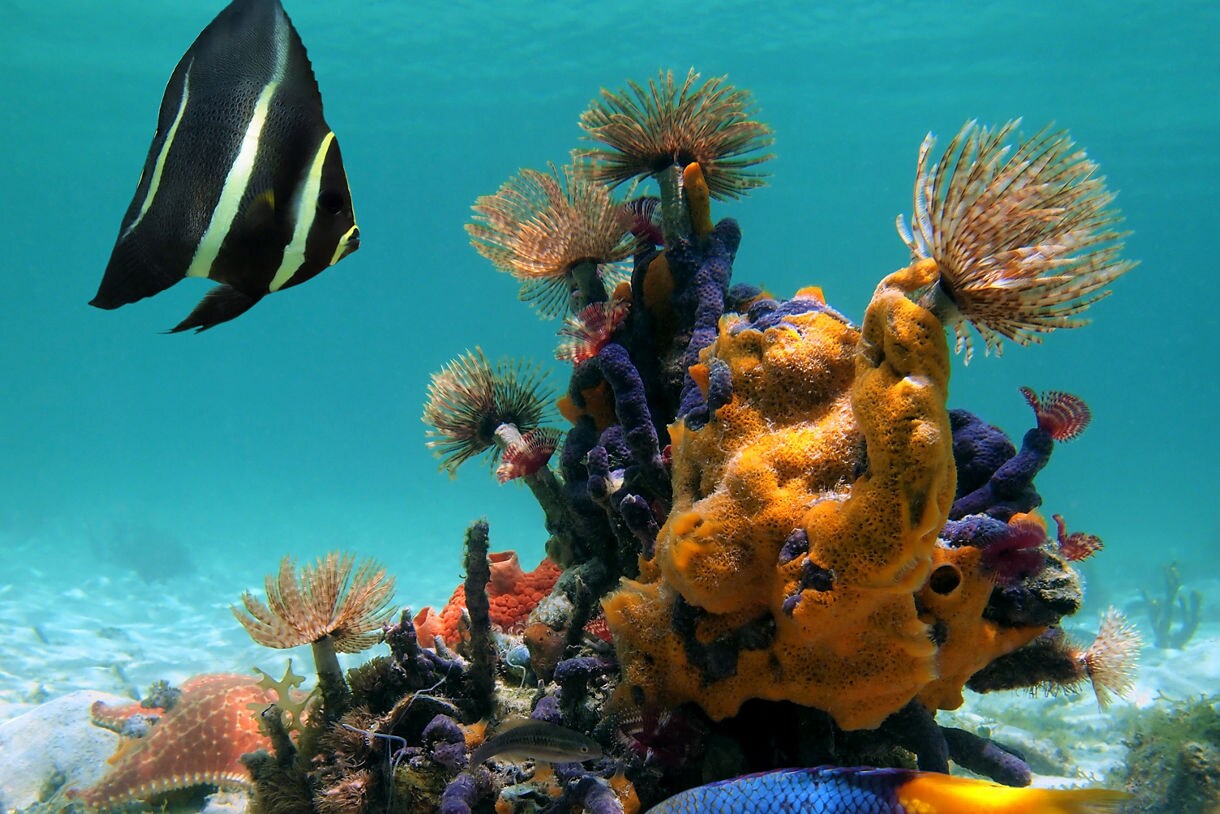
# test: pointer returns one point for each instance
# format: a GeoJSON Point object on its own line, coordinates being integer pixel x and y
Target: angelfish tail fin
{"type": "Point", "coordinates": [221, 304]}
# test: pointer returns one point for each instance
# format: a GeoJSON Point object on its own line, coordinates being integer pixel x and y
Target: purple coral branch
{"type": "Point", "coordinates": [1009, 487]}
{"type": "Point", "coordinates": [631, 407]}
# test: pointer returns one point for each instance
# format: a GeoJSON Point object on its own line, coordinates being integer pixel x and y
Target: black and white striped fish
{"type": "Point", "coordinates": [243, 183]}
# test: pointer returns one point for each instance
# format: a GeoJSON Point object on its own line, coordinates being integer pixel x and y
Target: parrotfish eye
{"type": "Point", "coordinates": [331, 201]}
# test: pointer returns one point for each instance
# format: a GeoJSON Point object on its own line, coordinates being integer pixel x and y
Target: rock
{"type": "Point", "coordinates": [51, 746]}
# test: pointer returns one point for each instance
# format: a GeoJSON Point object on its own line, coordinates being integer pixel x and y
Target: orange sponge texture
{"type": "Point", "coordinates": [512, 594]}
{"type": "Point", "coordinates": [842, 435]}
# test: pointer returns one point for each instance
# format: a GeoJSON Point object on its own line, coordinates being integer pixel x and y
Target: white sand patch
{"type": "Point", "coordinates": [117, 633]}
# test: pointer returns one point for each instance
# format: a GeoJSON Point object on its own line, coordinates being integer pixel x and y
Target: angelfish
{"type": "Point", "coordinates": [243, 183]}
{"type": "Point", "coordinates": [837, 790]}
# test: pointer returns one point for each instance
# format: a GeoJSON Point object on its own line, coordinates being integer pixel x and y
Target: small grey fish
{"type": "Point", "coordinates": [538, 740]}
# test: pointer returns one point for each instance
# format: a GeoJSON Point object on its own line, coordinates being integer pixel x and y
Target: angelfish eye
{"type": "Point", "coordinates": [330, 201]}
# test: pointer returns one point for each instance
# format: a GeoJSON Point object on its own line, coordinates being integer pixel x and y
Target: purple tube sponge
{"type": "Point", "coordinates": [985, 757]}
{"type": "Point", "coordinates": [600, 482]}
{"type": "Point", "coordinates": [717, 659]}
{"type": "Point", "coordinates": [914, 726]}
{"type": "Point", "coordinates": [813, 578]}
{"type": "Point", "coordinates": [641, 522]}
{"type": "Point", "coordinates": [445, 742]}
{"type": "Point", "coordinates": [740, 296]}
{"type": "Point", "coordinates": [768, 313]}
{"type": "Point", "coordinates": [1010, 488]}
{"type": "Point", "coordinates": [991, 479]}
{"type": "Point", "coordinates": [418, 667]}
{"type": "Point", "coordinates": [979, 449]}
{"type": "Point", "coordinates": [720, 385]}
{"type": "Point", "coordinates": [590, 528]}
{"type": "Point", "coordinates": [794, 546]}
{"type": "Point", "coordinates": [547, 709]}
{"type": "Point", "coordinates": [595, 795]}
{"type": "Point", "coordinates": [631, 407]}
{"type": "Point", "coordinates": [460, 795]}
{"type": "Point", "coordinates": [581, 669]}
{"type": "Point", "coordinates": [703, 298]}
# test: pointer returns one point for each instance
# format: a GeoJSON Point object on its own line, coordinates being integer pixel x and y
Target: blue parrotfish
{"type": "Point", "coordinates": [838, 790]}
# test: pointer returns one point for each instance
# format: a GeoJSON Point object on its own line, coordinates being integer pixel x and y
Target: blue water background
{"type": "Point", "coordinates": [296, 429]}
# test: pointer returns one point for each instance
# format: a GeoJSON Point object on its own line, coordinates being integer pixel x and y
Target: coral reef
{"type": "Point", "coordinates": [770, 541]}
{"type": "Point", "coordinates": [805, 515]}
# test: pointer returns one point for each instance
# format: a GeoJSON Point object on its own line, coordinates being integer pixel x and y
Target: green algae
{"type": "Point", "coordinates": [1173, 758]}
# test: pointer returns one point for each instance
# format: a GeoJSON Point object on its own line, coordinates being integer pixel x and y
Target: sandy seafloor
{"type": "Point", "coordinates": [116, 631]}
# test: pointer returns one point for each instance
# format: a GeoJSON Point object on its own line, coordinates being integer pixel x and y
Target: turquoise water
{"type": "Point", "coordinates": [295, 429]}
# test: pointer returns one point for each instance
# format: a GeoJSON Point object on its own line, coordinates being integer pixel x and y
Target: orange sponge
{"type": "Point", "coordinates": [805, 520]}
{"type": "Point", "coordinates": [512, 593]}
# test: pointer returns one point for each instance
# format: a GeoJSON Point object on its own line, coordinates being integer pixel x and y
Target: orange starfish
{"type": "Point", "coordinates": [199, 741]}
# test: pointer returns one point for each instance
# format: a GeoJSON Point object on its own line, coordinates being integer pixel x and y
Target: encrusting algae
{"type": "Point", "coordinates": [771, 541]}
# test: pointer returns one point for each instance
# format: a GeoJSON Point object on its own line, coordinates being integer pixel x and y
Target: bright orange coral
{"type": "Point", "coordinates": [512, 593]}
{"type": "Point", "coordinates": [802, 544]}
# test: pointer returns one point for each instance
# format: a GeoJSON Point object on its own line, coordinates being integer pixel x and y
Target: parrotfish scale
{"type": "Point", "coordinates": [842, 790]}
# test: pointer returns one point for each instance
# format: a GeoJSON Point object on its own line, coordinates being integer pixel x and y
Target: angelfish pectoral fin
{"type": "Point", "coordinates": [221, 304]}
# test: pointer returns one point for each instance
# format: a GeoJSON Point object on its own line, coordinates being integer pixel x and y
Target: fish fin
{"type": "Point", "coordinates": [132, 274]}
{"type": "Point", "coordinates": [1069, 801]}
{"type": "Point", "coordinates": [260, 214]}
{"type": "Point", "coordinates": [942, 792]}
{"type": "Point", "coordinates": [509, 724]}
{"type": "Point", "coordinates": [221, 304]}
{"type": "Point", "coordinates": [1089, 801]}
